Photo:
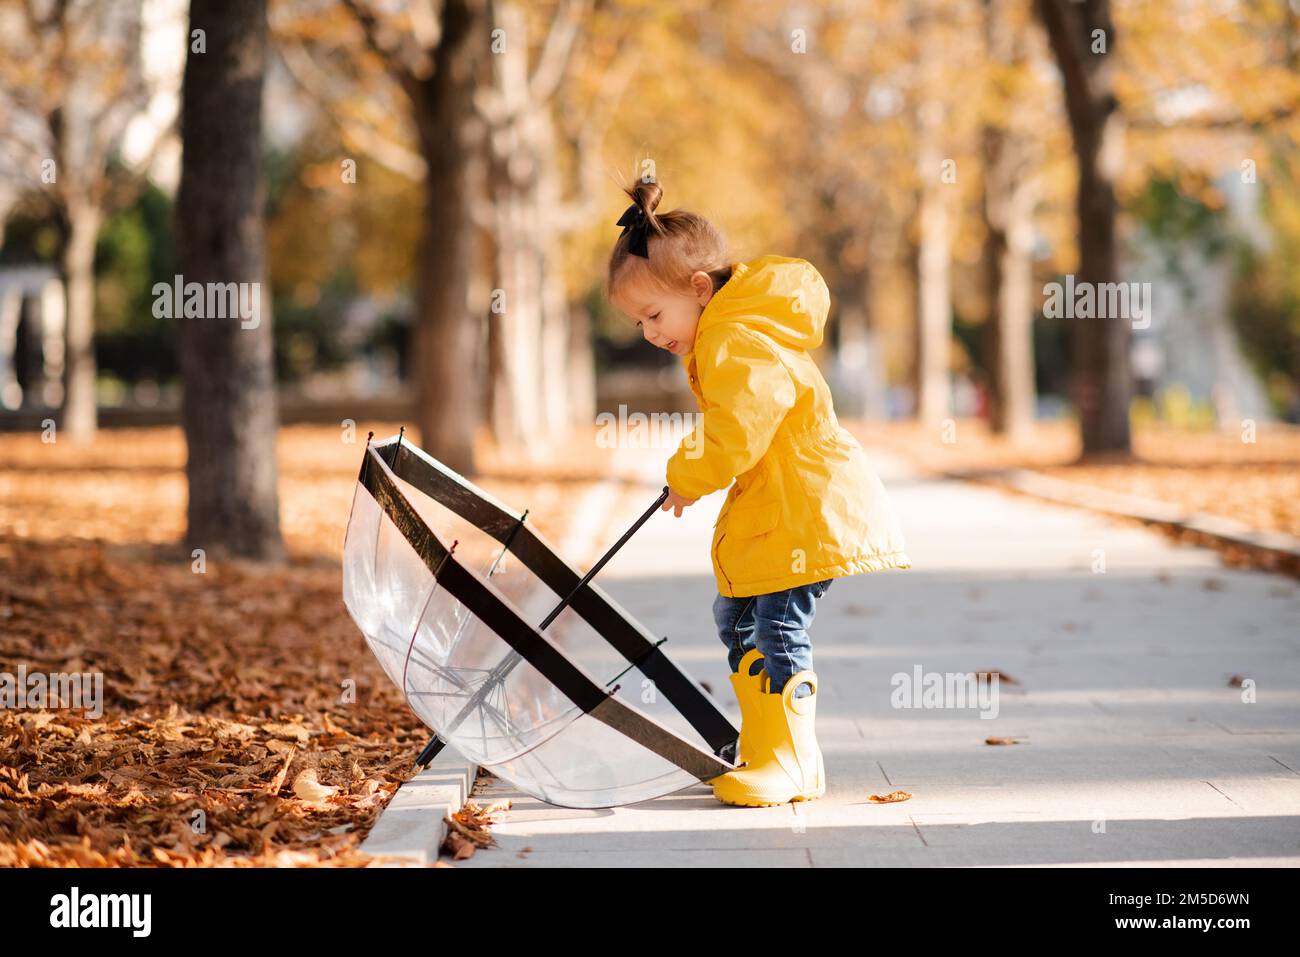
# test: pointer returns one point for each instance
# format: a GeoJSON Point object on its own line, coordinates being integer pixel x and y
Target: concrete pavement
{"type": "Point", "coordinates": [1134, 747]}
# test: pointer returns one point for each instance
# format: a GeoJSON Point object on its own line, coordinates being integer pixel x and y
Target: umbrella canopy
{"type": "Point", "coordinates": [447, 585]}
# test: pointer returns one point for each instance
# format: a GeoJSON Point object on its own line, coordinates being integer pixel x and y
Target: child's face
{"type": "Point", "coordinates": [667, 319]}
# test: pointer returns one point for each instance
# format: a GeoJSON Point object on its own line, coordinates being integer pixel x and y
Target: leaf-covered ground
{"type": "Point", "coordinates": [245, 722]}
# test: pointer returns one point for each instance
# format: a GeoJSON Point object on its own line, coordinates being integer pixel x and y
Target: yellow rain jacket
{"type": "Point", "coordinates": [805, 505]}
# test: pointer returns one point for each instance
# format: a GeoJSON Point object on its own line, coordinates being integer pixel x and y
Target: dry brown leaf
{"type": "Point", "coordinates": [458, 846]}
{"type": "Point", "coordinates": [234, 729]}
{"type": "Point", "coordinates": [1001, 741]}
{"type": "Point", "coordinates": [1002, 677]}
{"type": "Point", "coordinates": [278, 781]}
{"type": "Point", "coordinates": [889, 798]}
{"type": "Point", "coordinates": [291, 730]}
{"type": "Point", "coordinates": [477, 835]}
{"type": "Point", "coordinates": [377, 799]}
{"type": "Point", "coordinates": [491, 812]}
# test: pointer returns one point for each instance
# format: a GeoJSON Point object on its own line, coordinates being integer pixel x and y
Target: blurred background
{"type": "Point", "coordinates": [427, 193]}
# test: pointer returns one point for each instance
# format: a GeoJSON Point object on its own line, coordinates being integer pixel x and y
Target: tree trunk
{"type": "Point", "coordinates": [556, 398]}
{"type": "Point", "coordinates": [848, 250]}
{"type": "Point", "coordinates": [229, 405]}
{"type": "Point", "coordinates": [1102, 377]}
{"type": "Point", "coordinates": [445, 338]}
{"type": "Point", "coordinates": [1009, 199]}
{"type": "Point", "coordinates": [80, 416]}
{"type": "Point", "coordinates": [1011, 342]}
{"type": "Point", "coordinates": [530, 339]}
{"type": "Point", "coordinates": [1101, 365]}
{"type": "Point", "coordinates": [515, 321]}
{"type": "Point", "coordinates": [850, 297]}
{"type": "Point", "coordinates": [934, 296]}
{"type": "Point", "coordinates": [581, 385]}
{"type": "Point", "coordinates": [515, 333]}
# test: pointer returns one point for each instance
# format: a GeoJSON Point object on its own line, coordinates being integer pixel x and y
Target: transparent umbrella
{"type": "Point", "coordinates": [583, 709]}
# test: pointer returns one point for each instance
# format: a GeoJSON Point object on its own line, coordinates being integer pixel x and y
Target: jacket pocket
{"type": "Point", "coordinates": [746, 521]}
{"type": "Point", "coordinates": [739, 555]}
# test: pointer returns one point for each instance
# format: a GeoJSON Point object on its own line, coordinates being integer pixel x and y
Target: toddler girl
{"type": "Point", "coordinates": [804, 507]}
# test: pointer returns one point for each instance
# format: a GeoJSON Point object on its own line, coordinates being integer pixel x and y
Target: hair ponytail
{"type": "Point", "coordinates": [680, 243]}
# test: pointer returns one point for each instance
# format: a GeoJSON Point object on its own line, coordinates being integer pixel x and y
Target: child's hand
{"type": "Point", "coordinates": [675, 501]}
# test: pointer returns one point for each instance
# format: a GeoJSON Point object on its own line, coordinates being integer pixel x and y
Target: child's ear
{"type": "Point", "coordinates": [702, 285]}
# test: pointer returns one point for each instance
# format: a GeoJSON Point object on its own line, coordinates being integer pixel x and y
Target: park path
{"type": "Point", "coordinates": [1135, 749]}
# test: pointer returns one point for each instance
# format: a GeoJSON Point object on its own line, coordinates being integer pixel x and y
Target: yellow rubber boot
{"type": "Point", "coordinates": [784, 763]}
{"type": "Point", "coordinates": [747, 688]}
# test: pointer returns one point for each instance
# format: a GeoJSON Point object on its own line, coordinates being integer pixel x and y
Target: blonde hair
{"type": "Point", "coordinates": [680, 243]}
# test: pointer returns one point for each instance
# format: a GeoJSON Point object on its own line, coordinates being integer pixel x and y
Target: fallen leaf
{"type": "Point", "coordinates": [278, 781]}
{"type": "Point", "coordinates": [292, 730]}
{"type": "Point", "coordinates": [458, 846]}
{"type": "Point", "coordinates": [308, 788]}
{"type": "Point", "coordinates": [1002, 677]}
{"type": "Point", "coordinates": [234, 729]}
{"type": "Point", "coordinates": [889, 798]}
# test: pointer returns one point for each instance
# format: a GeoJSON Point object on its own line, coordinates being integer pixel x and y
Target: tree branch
{"type": "Point", "coordinates": [316, 82]}
{"type": "Point", "coordinates": [1277, 115]}
{"type": "Point", "coordinates": [586, 137]}
{"type": "Point", "coordinates": [557, 49]}
{"type": "Point", "coordinates": [396, 58]}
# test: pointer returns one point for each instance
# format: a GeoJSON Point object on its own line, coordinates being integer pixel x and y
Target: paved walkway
{"type": "Point", "coordinates": [1135, 748]}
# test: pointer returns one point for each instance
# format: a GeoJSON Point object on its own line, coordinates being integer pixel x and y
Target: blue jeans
{"type": "Point", "coordinates": [777, 625]}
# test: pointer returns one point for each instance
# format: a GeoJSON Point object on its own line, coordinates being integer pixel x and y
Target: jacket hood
{"type": "Point", "coordinates": [781, 297]}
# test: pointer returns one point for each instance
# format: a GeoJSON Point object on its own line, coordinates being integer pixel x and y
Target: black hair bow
{"type": "Point", "coordinates": [634, 219]}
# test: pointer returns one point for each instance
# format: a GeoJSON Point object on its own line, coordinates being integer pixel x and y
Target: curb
{"type": "Point", "coordinates": [1152, 511]}
{"type": "Point", "coordinates": [401, 833]}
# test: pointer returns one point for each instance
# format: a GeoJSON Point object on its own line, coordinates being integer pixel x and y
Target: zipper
{"type": "Point", "coordinates": [717, 558]}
